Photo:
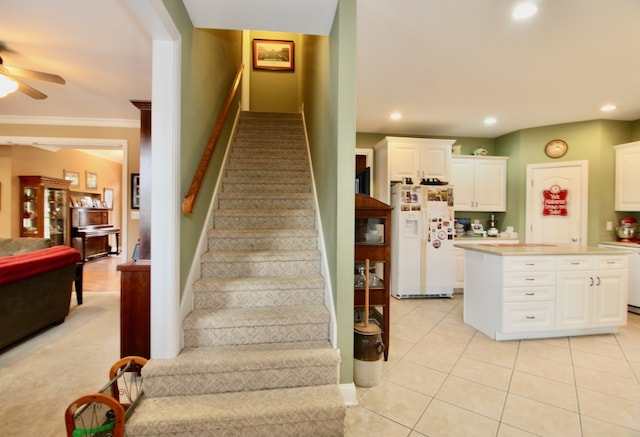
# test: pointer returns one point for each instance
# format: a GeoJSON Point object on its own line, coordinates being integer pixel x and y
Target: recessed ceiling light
{"type": "Point", "coordinates": [524, 10]}
{"type": "Point", "coordinates": [395, 116]}
{"type": "Point", "coordinates": [490, 120]}
{"type": "Point", "coordinates": [608, 107]}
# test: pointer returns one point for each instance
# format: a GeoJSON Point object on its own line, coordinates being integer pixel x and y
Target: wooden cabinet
{"type": "Point", "coordinates": [135, 308]}
{"type": "Point", "coordinates": [591, 291]}
{"type": "Point", "coordinates": [627, 194]}
{"type": "Point", "coordinates": [44, 208]}
{"type": "Point", "coordinates": [397, 158]}
{"type": "Point", "coordinates": [373, 242]}
{"type": "Point", "coordinates": [479, 183]}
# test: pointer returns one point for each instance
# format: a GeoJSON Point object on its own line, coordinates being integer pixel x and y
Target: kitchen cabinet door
{"type": "Point", "coordinates": [574, 302]}
{"type": "Point", "coordinates": [627, 195]}
{"type": "Point", "coordinates": [610, 299]}
{"type": "Point", "coordinates": [479, 183]}
{"type": "Point", "coordinates": [404, 161]}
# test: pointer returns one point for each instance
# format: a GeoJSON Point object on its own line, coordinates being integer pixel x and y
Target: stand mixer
{"type": "Point", "coordinates": [626, 232]}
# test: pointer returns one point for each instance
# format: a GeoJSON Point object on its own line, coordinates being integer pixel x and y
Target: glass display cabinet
{"type": "Point", "coordinates": [373, 242]}
{"type": "Point", "coordinates": [44, 208]}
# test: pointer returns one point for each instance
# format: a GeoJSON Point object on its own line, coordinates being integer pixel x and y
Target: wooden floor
{"type": "Point", "coordinates": [101, 275]}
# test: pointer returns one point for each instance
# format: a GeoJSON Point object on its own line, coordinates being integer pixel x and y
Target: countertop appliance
{"type": "Point", "coordinates": [627, 229]}
{"type": "Point", "coordinates": [422, 226]}
{"type": "Point", "coordinates": [633, 297]}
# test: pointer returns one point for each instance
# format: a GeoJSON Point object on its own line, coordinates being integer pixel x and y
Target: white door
{"type": "Point", "coordinates": [557, 197]}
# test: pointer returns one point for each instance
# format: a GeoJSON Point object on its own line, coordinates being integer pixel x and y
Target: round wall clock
{"type": "Point", "coordinates": [556, 148]}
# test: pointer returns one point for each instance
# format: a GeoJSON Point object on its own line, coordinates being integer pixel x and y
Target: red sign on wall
{"type": "Point", "coordinates": [554, 201]}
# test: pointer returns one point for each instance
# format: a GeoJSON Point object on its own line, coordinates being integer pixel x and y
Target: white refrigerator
{"type": "Point", "coordinates": [422, 232]}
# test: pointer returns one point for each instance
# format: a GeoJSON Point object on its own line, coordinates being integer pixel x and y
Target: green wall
{"type": "Point", "coordinates": [276, 91]}
{"type": "Point", "coordinates": [327, 93]}
{"type": "Point", "coordinates": [210, 59]}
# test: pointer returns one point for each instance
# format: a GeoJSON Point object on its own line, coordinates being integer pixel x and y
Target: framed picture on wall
{"type": "Point", "coordinates": [107, 197]}
{"type": "Point", "coordinates": [135, 190]}
{"type": "Point", "coordinates": [273, 55]}
{"type": "Point", "coordinates": [92, 180]}
{"type": "Point", "coordinates": [72, 176]}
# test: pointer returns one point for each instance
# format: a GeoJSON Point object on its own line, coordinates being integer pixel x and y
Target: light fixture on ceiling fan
{"type": "Point", "coordinates": [10, 82]}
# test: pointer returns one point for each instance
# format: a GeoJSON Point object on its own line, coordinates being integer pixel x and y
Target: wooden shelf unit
{"type": "Point", "coordinates": [374, 215]}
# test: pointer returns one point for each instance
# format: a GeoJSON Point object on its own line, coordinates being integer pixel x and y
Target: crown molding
{"type": "Point", "coordinates": [71, 121]}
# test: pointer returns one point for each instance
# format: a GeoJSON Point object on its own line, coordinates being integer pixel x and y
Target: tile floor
{"type": "Point", "coordinates": [444, 378]}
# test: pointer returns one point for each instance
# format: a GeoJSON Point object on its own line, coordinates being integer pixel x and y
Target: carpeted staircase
{"type": "Point", "coordinates": [257, 358]}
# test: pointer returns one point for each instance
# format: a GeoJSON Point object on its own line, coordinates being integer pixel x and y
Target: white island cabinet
{"type": "Point", "coordinates": [537, 291]}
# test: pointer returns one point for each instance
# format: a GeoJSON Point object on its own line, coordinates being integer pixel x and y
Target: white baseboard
{"type": "Point", "coordinates": [349, 395]}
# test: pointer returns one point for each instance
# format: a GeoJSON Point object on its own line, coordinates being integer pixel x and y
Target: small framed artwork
{"type": "Point", "coordinates": [273, 55]}
{"type": "Point", "coordinates": [72, 176]}
{"type": "Point", "coordinates": [135, 190]}
{"type": "Point", "coordinates": [92, 180]}
{"type": "Point", "coordinates": [107, 198]}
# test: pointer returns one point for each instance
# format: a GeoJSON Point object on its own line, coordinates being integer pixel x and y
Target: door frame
{"type": "Point", "coordinates": [584, 198]}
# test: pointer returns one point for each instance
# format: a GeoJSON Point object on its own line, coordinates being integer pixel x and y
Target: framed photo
{"type": "Point", "coordinates": [72, 176]}
{"type": "Point", "coordinates": [92, 180]}
{"type": "Point", "coordinates": [135, 190]}
{"type": "Point", "coordinates": [107, 197]}
{"type": "Point", "coordinates": [273, 55]}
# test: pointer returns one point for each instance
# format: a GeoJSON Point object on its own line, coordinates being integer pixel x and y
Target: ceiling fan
{"type": "Point", "coordinates": [14, 73]}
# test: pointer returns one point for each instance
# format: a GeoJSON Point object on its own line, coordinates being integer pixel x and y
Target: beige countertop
{"type": "Point", "coordinates": [511, 249]}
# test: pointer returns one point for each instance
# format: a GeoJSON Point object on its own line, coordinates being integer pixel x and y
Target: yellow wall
{"type": "Point", "coordinates": [24, 160]}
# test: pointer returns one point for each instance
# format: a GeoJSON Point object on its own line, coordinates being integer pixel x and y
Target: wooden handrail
{"type": "Point", "coordinates": [198, 177]}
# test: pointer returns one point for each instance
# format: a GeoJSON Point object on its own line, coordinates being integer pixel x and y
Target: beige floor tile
{"type": "Point", "coordinates": [473, 396]}
{"type": "Point", "coordinates": [540, 418]}
{"type": "Point", "coordinates": [609, 408]}
{"type": "Point", "coordinates": [620, 386]}
{"type": "Point", "coordinates": [484, 373]}
{"type": "Point", "coordinates": [605, 345]}
{"type": "Point", "coordinates": [613, 366]}
{"type": "Point", "coordinates": [432, 358]}
{"type": "Point", "coordinates": [395, 403]}
{"type": "Point", "coordinates": [597, 428]}
{"type": "Point", "coordinates": [454, 330]}
{"type": "Point", "coordinates": [511, 431]}
{"type": "Point", "coordinates": [529, 363]}
{"type": "Point", "coordinates": [429, 313]}
{"type": "Point", "coordinates": [362, 422]}
{"type": "Point", "coordinates": [444, 343]}
{"type": "Point", "coordinates": [417, 322]}
{"type": "Point", "coordinates": [500, 353]}
{"type": "Point", "coordinates": [547, 350]}
{"type": "Point", "coordinates": [544, 390]}
{"type": "Point", "coordinates": [415, 377]}
{"type": "Point", "coordinates": [399, 347]}
{"type": "Point", "coordinates": [445, 420]}
{"type": "Point", "coordinates": [407, 332]}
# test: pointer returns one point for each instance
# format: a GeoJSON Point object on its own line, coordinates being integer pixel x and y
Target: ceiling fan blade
{"type": "Point", "coordinates": [31, 92]}
{"type": "Point", "coordinates": [32, 74]}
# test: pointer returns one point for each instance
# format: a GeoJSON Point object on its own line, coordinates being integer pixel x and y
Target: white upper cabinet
{"type": "Point", "coordinates": [627, 194]}
{"type": "Point", "coordinates": [479, 183]}
{"type": "Point", "coordinates": [398, 158]}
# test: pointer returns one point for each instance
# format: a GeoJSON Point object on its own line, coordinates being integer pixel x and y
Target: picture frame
{"type": "Point", "coordinates": [107, 197]}
{"type": "Point", "coordinates": [92, 180]}
{"type": "Point", "coordinates": [135, 190]}
{"type": "Point", "coordinates": [72, 176]}
{"type": "Point", "coordinates": [275, 55]}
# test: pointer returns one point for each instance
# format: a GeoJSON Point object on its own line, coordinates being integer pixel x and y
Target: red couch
{"type": "Point", "coordinates": [35, 290]}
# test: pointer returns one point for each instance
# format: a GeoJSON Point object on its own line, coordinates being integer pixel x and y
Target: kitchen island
{"type": "Point", "coordinates": [517, 291]}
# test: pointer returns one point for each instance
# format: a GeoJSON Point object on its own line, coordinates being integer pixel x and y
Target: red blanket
{"type": "Point", "coordinates": [16, 267]}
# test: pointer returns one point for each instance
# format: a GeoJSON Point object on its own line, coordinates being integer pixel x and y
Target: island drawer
{"type": "Point", "coordinates": [575, 262]}
{"type": "Point", "coordinates": [529, 294]}
{"type": "Point", "coordinates": [529, 263]}
{"type": "Point", "coordinates": [529, 279]}
{"type": "Point", "coordinates": [528, 316]}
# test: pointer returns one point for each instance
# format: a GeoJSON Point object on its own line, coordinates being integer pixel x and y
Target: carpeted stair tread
{"type": "Point", "coordinates": [254, 284]}
{"type": "Point", "coordinates": [265, 213]}
{"type": "Point", "coordinates": [255, 317]}
{"type": "Point", "coordinates": [317, 411]}
{"type": "Point", "coordinates": [228, 256]}
{"type": "Point", "coordinates": [243, 358]}
{"type": "Point", "coordinates": [261, 233]}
